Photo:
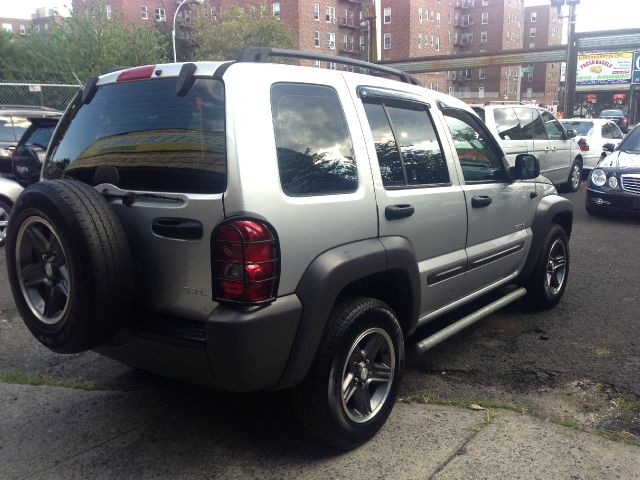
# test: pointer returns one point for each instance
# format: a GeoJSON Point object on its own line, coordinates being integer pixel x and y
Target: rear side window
{"type": "Point", "coordinates": [157, 140]}
{"type": "Point", "coordinates": [553, 127]}
{"type": "Point", "coordinates": [408, 149]}
{"type": "Point", "coordinates": [40, 136]}
{"type": "Point", "coordinates": [6, 129]}
{"type": "Point", "coordinates": [315, 153]}
{"type": "Point", "coordinates": [507, 124]}
{"type": "Point", "coordinates": [532, 125]}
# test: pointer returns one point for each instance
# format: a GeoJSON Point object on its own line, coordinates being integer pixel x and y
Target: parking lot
{"type": "Point", "coordinates": [576, 365]}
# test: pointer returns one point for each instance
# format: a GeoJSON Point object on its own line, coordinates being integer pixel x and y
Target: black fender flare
{"type": "Point", "coordinates": [328, 275]}
{"type": "Point", "coordinates": [552, 209]}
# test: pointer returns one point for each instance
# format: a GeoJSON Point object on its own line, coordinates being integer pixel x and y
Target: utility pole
{"type": "Point", "coordinates": [518, 83]}
{"type": "Point", "coordinates": [572, 62]}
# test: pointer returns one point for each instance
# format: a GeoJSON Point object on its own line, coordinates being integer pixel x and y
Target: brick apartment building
{"type": "Point", "coordinates": [408, 29]}
{"type": "Point", "coordinates": [42, 20]}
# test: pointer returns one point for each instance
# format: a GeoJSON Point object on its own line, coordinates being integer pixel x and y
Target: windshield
{"type": "Point", "coordinates": [155, 139]}
{"type": "Point", "coordinates": [581, 128]}
{"type": "Point", "coordinates": [632, 142]}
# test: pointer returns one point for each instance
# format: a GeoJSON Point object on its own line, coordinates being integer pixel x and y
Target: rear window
{"type": "Point", "coordinates": [157, 140]}
{"type": "Point", "coordinates": [581, 128]}
{"type": "Point", "coordinates": [6, 129]}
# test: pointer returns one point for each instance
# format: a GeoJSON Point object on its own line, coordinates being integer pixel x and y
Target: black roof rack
{"type": "Point", "coordinates": [263, 54]}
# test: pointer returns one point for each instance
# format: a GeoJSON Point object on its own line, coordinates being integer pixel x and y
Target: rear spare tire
{"type": "Point", "coordinates": [69, 265]}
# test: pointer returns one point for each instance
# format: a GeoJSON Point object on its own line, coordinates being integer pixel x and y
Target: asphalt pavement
{"type": "Point", "coordinates": [572, 369]}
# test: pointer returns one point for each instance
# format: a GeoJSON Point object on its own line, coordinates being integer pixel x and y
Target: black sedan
{"type": "Point", "coordinates": [614, 185]}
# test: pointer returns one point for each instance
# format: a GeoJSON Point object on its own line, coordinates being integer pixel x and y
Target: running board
{"type": "Point", "coordinates": [470, 319]}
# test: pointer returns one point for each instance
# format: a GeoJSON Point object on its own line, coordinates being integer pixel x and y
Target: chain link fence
{"type": "Point", "coordinates": [37, 95]}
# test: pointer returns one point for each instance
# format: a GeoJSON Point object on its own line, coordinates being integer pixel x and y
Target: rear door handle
{"type": "Point", "coordinates": [394, 212]}
{"type": "Point", "coordinates": [178, 228]}
{"type": "Point", "coordinates": [481, 201]}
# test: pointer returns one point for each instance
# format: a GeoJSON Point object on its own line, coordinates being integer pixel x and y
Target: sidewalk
{"type": "Point", "coordinates": [52, 432]}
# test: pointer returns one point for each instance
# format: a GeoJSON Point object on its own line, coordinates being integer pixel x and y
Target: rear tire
{"type": "Point", "coordinates": [5, 212]}
{"type": "Point", "coordinates": [548, 280]}
{"type": "Point", "coordinates": [69, 265]}
{"type": "Point", "coordinates": [575, 177]}
{"type": "Point", "coordinates": [353, 383]}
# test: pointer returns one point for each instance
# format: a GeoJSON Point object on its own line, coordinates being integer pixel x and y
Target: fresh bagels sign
{"type": "Point", "coordinates": [605, 69]}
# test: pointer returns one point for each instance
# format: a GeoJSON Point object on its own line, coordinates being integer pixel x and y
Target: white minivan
{"type": "Point", "coordinates": [529, 129]}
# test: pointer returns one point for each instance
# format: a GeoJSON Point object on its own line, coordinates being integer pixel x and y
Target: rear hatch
{"type": "Point", "coordinates": [160, 158]}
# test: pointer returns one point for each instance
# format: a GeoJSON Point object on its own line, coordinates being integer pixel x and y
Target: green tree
{"type": "Point", "coordinates": [223, 37]}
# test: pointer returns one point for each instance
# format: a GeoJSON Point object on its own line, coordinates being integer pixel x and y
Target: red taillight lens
{"type": "Point", "coordinates": [584, 146]}
{"type": "Point", "coordinates": [245, 263]}
{"type": "Point", "coordinates": [137, 73]}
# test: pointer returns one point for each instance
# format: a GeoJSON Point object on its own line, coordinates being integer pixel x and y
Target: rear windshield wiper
{"type": "Point", "coordinates": [129, 198]}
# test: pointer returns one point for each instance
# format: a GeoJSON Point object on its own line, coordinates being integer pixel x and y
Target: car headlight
{"type": "Point", "coordinates": [598, 177]}
{"type": "Point", "coordinates": [613, 182]}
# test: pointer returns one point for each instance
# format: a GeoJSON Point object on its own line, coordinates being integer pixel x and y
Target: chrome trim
{"type": "Point", "coordinates": [494, 256]}
{"type": "Point", "coordinates": [630, 182]}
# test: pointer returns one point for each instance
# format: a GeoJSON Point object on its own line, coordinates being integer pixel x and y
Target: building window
{"type": "Point", "coordinates": [161, 16]}
{"type": "Point", "coordinates": [331, 40]}
{"type": "Point", "coordinates": [7, 27]}
{"type": "Point", "coordinates": [530, 77]}
{"type": "Point", "coordinates": [387, 41]}
{"type": "Point", "coordinates": [482, 73]}
{"type": "Point", "coordinates": [450, 91]}
{"type": "Point", "coordinates": [437, 19]}
{"type": "Point", "coordinates": [532, 44]}
{"type": "Point", "coordinates": [534, 17]}
{"type": "Point", "coordinates": [276, 9]}
{"type": "Point", "coordinates": [316, 11]}
{"type": "Point", "coordinates": [363, 43]}
{"type": "Point", "coordinates": [317, 63]}
{"type": "Point", "coordinates": [467, 39]}
{"type": "Point", "coordinates": [466, 74]}
{"type": "Point", "coordinates": [449, 37]}
{"type": "Point", "coordinates": [480, 92]}
{"type": "Point", "coordinates": [419, 39]}
{"type": "Point", "coordinates": [316, 38]}
{"type": "Point", "coordinates": [330, 14]}
{"type": "Point", "coordinates": [532, 32]}
{"type": "Point", "coordinates": [331, 65]}
{"type": "Point", "coordinates": [387, 15]}
{"type": "Point", "coordinates": [144, 11]}
{"type": "Point", "coordinates": [23, 29]}
{"type": "Point", "coordinates": [438, 43]}
{"type": "Point", "coordinates": [485, 18]}
{"type": "Point", "coordinates": [420, 14]}
{"type": "Point", "coordinates": [483, 37]}
{"type": "Point", "coordinates": [109, 11]}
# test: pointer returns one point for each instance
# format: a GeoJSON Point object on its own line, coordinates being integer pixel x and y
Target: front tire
{"type": "Point", "coordinates": [352, 386]}
{"type": "Point", "coordinates": [548, 280]}
{"type": "Point", "coordinates": [5, 211]}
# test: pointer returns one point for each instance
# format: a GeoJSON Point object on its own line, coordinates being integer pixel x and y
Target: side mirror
{"type": "Point", "coordinates": [608, 147]}
{"type": "Point", "coordinates": [527, 167]}
{"type": "Point", "coordinates": [571, 133]}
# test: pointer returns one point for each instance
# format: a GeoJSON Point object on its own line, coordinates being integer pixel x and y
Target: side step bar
{"type": "Point", "coordinates": [470, 319]}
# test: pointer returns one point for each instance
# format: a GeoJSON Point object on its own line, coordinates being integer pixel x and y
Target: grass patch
{"type": "Point", "coordinates": [623, 437]}
{"type": "Point", "coordinates": [602, 352]}
{"type": "Point", "coordinates": [20, 378]}
{"type": "Point", "coordinates": [430, 399]}
{"type": "Point", "coordinates": [625, 403]}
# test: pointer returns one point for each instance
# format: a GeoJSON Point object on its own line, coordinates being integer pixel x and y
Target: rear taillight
{"type": "Point", "coordinates": [583, 144]}
{"type": "Point", "coordinates": [137, 73]}
{"type": "Point", "coordinates": [245, 262]}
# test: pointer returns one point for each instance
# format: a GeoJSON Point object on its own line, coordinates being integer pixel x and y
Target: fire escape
{"type": "Point", "coordinates": [463, 38]}
{"type": "Point", "coordinates": [349, 23]}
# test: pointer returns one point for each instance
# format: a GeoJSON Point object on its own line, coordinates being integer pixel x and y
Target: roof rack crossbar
{"type": "Point", "coordinates": [263, 54]}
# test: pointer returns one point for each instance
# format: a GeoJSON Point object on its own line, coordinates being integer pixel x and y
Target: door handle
{"type": "Point", "coordinates": [546, 149]}
{"type": "Point", "coordinates": [179, 228]}
{"type": "Point", "coordinates": [481, 201]}
{"type": "Point", "coordinates": [394, 212]}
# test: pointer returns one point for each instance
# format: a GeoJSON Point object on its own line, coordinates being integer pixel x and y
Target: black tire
{"type": "Point", "coordinates": [543, 291]}
{"type": "Point", "coordinates": [318, 401]}
{"type": "Point", "coordinates": [69, 265]}
{"type": "Point", "coordinates": [5, 211]}
{"type": "Point", "coordinates": [575, 177]}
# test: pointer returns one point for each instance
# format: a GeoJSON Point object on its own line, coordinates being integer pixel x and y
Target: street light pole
{"type": "Point", "coordinates": [173, 30]}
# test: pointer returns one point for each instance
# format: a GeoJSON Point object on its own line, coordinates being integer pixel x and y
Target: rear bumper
{"type": "Point", "coordinates": [234, 349]}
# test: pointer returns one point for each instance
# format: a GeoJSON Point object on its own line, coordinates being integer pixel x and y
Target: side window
{"type": "Point", "coordinates": [532, 126]}
{"type": "Point", "coordinates": [477, 153]}
{"type": "Point", "coordinates": [40, 137]}
{"type": "Point", "coordinates": [507, 124]}
{"type": "Point", "coordinates": [606, 131]}
{"type": "Point", "coordinates": [315, 153]}
{"type": "Point", "coordinates": [553, 127]}
{"type": "Point", "coordinates": [408, 149]}
{"type": "Point", "coordinates": [616, 133]}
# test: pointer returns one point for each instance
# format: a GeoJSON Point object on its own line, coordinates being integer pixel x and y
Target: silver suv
{"type": "Point", "coordinates": [249, 225]}
{"type": "Point", "coordinates": [533, 130]}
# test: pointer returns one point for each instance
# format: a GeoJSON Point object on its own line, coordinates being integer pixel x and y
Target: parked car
{"type": "Point", "coordinates": [250, 225]}
{"type": "Point", "coordinates": [14, 121]}
{"type": "Point", "coordinates": [614, 185]}
{"type": "Point", "coordinates": [618, 116]}
{"type": "Point", "coordinates": [25, 163]}
{"type": "Point", "coordinates": [529, 129]}
{"type": "Point", "coordinates": [592, 134]}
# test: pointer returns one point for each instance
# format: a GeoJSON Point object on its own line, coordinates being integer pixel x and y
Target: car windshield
{"type": "Point", "coordinates": [632, 142]}
{"type": "Point", "coordinates": [581, 128]}
{"type": "Point", "coordinates": [612, 113]}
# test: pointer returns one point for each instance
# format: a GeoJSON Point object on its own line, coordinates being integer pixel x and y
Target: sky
{"type": "Point", "coordinates": [592, 14]}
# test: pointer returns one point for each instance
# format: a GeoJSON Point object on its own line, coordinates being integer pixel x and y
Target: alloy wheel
{"type": "Point", "coordinates": [575, 176]}
{"type": "Point", "coordinates": [556, 267]}
{"type": "Point", "coordinates": [4, 222]}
